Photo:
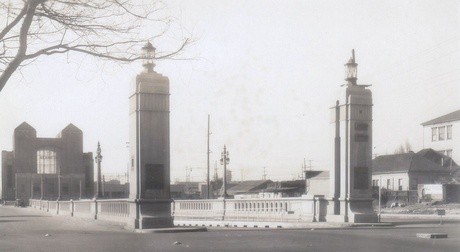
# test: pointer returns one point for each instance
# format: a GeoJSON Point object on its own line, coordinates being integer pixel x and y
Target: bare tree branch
{"type": "Point", "coordinates": [14, 64]}
{"type": "Point", "coordinates": [14, 23]}
{"type": "Point", "coordinates": [105, 29]}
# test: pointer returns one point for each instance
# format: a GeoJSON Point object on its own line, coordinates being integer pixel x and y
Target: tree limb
{"type": "Point", "coordinates": [14, 64]}
{"type": "Point", "coordinates": [14, 23]}
{"type": "Point", "coordinates": [105, 29]}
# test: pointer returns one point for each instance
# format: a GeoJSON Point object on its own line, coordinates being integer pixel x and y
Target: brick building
{"type": "Point", "coordinates": [47, 168]}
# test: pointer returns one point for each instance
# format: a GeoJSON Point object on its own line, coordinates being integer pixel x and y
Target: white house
{"type": "Point", "coordinates": [442, 134]}
{"type": "Point", "coordinates": [402, 172]}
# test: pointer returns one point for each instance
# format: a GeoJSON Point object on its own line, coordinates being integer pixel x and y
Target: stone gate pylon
{"type": "Point", "coordinates": [149, 172]}
{"type": "Point", "coordinates": [350, 178]}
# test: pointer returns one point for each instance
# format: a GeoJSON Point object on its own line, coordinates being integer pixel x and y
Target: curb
{"type": "Point", "coordinates": [338, 227]}
{"type": "Point", "coordinates": [421, 216]}
{"type": "Point", "coordinates": [171, 230]}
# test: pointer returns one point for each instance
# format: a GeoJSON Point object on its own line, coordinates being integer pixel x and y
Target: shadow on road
{"type": "Point", "coordinates": [11, 221]}
{"type": "Point", "coordinates": [21, 216]}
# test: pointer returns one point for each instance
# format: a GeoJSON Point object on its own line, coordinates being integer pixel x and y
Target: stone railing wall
{"type": "Point", "coordinates": [112, 209]}
{"type": "Point", "coordinates": [264, 212]}
{"type": "Point", "coordinates": [240, 212]}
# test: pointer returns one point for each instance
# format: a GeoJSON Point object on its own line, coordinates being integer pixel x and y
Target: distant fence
{"type": "Point", "coordinates": [108, 209]}
{"type": "Point", "coordinates": [408, 197]}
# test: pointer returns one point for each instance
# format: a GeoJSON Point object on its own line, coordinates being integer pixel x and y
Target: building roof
{"type": "Point", "coordinates": [71, 127]}
{"type": "Point", "coordinates": [406, 162]}
{"type": "Point", "coordinates": [454, 116]}
{"type": "Point", "coordinates": [177, 188]}
{"type": "Point", "coordinates": [291, 183]}
{"type": "Point", "coordinates": [317, 174]}
{"type": "Point", "coordinates": [248, 186]}
{"type": "Point", "coordinates": [456, 174]}
{"type": "Point", "coordinates": [282, 189]}
{"type": "Point", "coordinates": [437, 157]}
{"type": "Point", "coordinates": [25, 126]}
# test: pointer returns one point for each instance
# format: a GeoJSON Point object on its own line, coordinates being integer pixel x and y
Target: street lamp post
{"type": "Point", "coordinates": [80, 189]}
{"type": "Point", "coordinates": [351, 70]}
{"type": "Point", "coordinates": [59, 185]}
{"type": "Point", "coordinates": [31, 188]}
{"type": "Point", "coordinates": [41, 186]}
{"type": "Point", "coordinates": [224, 161]}
{"type": "Point", "coordinates": [380, 198]}
{"type": "Point", "coordinates": [208, 152]}
{"type": "Point", "coordinates": [98, 160]}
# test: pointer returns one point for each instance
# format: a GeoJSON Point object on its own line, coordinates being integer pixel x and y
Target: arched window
{"type": "Point", "coordinates": [46, 161]}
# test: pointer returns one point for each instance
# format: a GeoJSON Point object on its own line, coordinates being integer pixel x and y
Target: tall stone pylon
{"type": "Point", "coordinates": [149, 171]}
{"type": "Point", "coordinates": [351, 175]}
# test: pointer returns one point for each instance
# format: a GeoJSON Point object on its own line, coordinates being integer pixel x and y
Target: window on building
{"type": "Point", "coordinates": [388, 183]}
{"type": "Point", "coordinates": [46, 161]}
{"type": "Point", "coordinates": [449, 132]}
{"type": "Point", "coordinates": [442, 132]}
{"type": "Point", "coordinates": [375, 182]}
{"type": "Point", "coordinates": [434, 134]}
{"type": "Point", "coordinates": [400, 184]}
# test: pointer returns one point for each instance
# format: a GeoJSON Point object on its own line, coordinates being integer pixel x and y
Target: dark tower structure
{"type": "Point", "coordinates": [41, 167]}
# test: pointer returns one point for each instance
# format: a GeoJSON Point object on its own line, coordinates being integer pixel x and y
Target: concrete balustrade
{"type": "Point", "coordinates": [273, 213]}
{"type": "Point", "coordinates": [277, 212]}
{"type": "Point", "coordinates": [65, 208]}
{"type": "Point", "coordinates": [113, 210]}
{"type": "Point", "coordinates": [83, 208]}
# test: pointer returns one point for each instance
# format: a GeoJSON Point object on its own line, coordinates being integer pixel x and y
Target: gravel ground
{"type": "Point", "coordinates": [451, 209]}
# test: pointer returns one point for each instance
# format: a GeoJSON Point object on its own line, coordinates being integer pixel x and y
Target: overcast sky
{"type": "Point", "coordinates": [267, 72]}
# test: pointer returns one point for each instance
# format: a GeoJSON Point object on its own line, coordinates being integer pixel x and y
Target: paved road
{"type": "Point", "coordinates": [25, 230]}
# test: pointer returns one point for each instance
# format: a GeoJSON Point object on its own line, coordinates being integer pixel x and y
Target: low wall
{"type": "Point", "coordinates": [272, 213]}
{"type": "Point", "coordinates": [116, 210]}
{"type": "Point", "coordinates": [277, 212]}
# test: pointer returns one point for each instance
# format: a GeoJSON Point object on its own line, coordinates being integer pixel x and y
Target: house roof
{"type": "Point", "coordinates": [406, 162]}
{"type": "Point", "coordinates": [317, 174]}
{"type": "Point", "coordinates": [291, 183]}
{"type": "Point", "coordinates": [177, 188]}
{"type": "Point", "coordinates": [283, 189]}
{"type": "Point", "coordinates": [248, 186]}
{"type": "Point", "coordinates": [456, 173]}
{"type": "Point", "coordinates": [454, 116]}
{"type": "Point", "coordinates": [437, 157]}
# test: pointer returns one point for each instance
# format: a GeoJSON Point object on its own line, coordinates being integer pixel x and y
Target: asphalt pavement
{"type": "Point", "coordinates": [26, 229]}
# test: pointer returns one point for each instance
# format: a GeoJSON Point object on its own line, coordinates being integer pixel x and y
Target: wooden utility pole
{"type": "Point", "coordinates": [208, 152]}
